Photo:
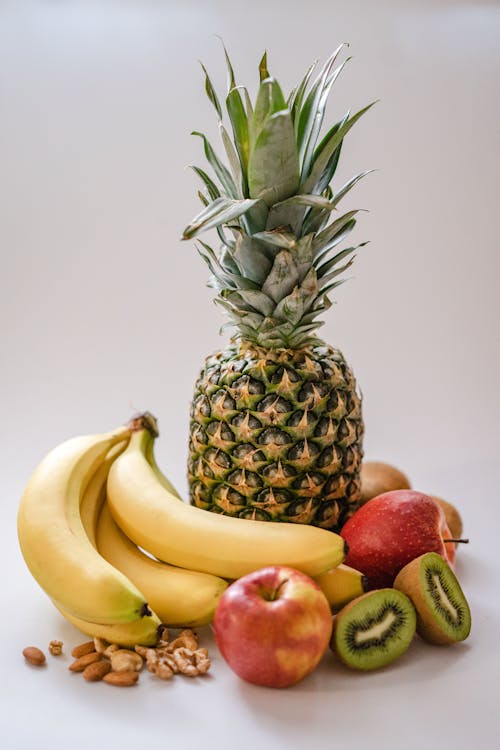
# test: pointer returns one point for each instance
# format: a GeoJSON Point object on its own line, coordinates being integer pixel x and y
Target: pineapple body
{"type": "Point", "coordinates": [277, 435]}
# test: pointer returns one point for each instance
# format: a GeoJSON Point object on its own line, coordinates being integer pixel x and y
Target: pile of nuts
{"type": "Point", "coordinates": [99, 660]}
{"type": "Point", "coordinates": [180, 656]}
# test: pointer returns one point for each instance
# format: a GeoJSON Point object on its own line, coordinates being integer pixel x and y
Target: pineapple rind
{"type": "Point", "coordinates": [277, 435]}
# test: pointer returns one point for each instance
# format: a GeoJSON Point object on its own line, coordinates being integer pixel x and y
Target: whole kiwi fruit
{"type": "Point", "coordinates": [443, 614]}
{"type": "Point", "coordinates": [452, 515]}
{"type": "Point", "coordinates": [374, 629]}
{"type": "Point", "coordinates": [378, 477]}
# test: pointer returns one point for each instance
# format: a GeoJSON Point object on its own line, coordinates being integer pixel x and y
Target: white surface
{"type": "Point", "coordinates": [104, 311]}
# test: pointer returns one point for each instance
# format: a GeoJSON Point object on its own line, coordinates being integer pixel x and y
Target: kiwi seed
{"type": "Point", "coordinates": [374, 629]}
{"type": "Point", "coordinates": [443, 614]}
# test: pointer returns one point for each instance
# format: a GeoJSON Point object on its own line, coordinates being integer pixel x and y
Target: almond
{"type": "Point", "coordinates": [82, 649]}
{"type": "Point", "coordinates": [34, 656]}
{"type": "Point", "coordinates": [96, 671]}
{"type": "Point", "coordinates": [79, 664]}
{"type": "Point", "coordinates": [121, 679]}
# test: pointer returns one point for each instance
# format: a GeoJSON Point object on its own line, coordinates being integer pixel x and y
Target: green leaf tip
{"type": "Point", "coordinates": [263, 71]}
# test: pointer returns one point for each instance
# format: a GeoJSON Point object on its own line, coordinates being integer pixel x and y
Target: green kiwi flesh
{"type": "Point", "coordinates": [374, 629]}
{"type": "Point", "coordinates": [443, 614]}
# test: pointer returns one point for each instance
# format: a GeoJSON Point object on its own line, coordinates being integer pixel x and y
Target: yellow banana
{"type": "Point", "coordinates": [341, 585]}
{"type": "Point", "coordinates": [95, 493]}
{"type": "Point", "coordinates": [150, 455]}
{"type": "Point", "coordinates": [180, 597]}
{"type": "Point", "coordinates": [190, 537]}
{"type": "Point", "coordinates": [143, 631]}
{"type": "Point", "coordinates": [53, 541]}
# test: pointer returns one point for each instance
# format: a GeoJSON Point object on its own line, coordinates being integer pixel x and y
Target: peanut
{"type": "Point", "coordinates": [121, 679]}
{"type": "Point", "coordinates": [83, 649]}
{"type": "Point", "coordinates": [34, 656]}
{"type": "Point", "coordinates": [79, 664]}
{"type": "Point", "coordinates": [96, 671]}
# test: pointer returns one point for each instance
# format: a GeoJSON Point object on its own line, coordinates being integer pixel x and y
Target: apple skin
{"type": "Point", "coordinates": [273, 626]}
{"type": "Point", "coordinates": [392, 529]}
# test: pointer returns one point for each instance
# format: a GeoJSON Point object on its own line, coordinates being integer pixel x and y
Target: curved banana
{"type": "Point", "coordinates": [53, 540]}
{"type": "Point", "coordinates": [341, 585]}
{"type": "Point", "coordinates": [143, 631]}
{"type": "Point", "coordinates": [180, 597]}
{"type": "Point", "coordinates": [190, 537]}
{"type": "Point", "coordinates": [167, 484]}
{"type": "Point", "coordinates": [94, 494]}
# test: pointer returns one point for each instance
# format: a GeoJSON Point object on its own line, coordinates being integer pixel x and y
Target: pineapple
{"type": "Point", "coordinates": [276, 424]}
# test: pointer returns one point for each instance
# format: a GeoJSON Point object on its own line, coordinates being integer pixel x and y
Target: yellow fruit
{"type": "Point", "coordinates": [341, 585]}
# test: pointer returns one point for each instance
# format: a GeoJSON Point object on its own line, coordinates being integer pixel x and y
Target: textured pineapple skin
{"type": "Point", "coordinates": [277, 435]}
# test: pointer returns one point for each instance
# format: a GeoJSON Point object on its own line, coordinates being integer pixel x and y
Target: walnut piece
{"type": "Point", "coordinates": [185, 639]}
{"type": "Point", "coordinates": [55, 648]}
{"type": "Point", "coordinates": [192, 663]}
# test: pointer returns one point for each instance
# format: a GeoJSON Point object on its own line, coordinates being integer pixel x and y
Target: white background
{"type": "Point", "coordinates": [104, 311]}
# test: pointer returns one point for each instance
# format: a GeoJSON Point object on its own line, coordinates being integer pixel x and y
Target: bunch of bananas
{"type": "Point", "coordinates": [95, 502]}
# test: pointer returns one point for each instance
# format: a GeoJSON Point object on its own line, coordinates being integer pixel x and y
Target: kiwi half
{"type": "Point", "coordinates": [443, 614]}
{"type": "Point", "coordinates": [374, 629]}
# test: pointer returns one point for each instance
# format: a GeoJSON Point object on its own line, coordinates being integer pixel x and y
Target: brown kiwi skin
{"type": "Point", "coordinates": [378, 477]}
{"type": "Point", "coordinates": [408, 582]}
{"type": "Point", "coordinates": [452, 516]}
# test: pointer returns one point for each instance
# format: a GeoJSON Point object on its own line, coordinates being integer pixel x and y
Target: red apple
{"type": "Point", "coordinates": [273, 626]}
{"type": "Point", "coordinates": [392, 529]}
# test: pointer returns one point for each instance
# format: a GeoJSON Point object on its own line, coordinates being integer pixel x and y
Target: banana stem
{"type": "Point", "coordinates": [144, 421]}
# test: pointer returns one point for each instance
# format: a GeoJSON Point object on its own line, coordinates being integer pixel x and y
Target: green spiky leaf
{"type": "Point", "coordinates": [273, 167]}
{"type": "Point", "coordinates": [219, 168]}
{"type": "Point", "coordinates": [239, 123]}
{"type": "Point", "coordinates": [296, 97]}
{"type": "Point", "coordinates": [220, 211]}
{"type": "Point", "coordinates": [320, 163]}
{"type": "Point", "coordinates": [250, 256]}
{"type": "Point", "coordinates": [212, 188]}
{"type": "Point", "coordinates": [270, 100]}
{"type": "Point", "coordinates": [328, 234]}
{"type": "Point", "coordinates": [263, 71]}
{"type": "Point", "coordinates": [211, 93]}
{"type": "Point", "coordinates": [312, 112]}
{"type": "Point", "coordinates": [277, 238]}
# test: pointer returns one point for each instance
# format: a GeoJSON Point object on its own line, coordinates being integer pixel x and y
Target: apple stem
{"type": "Point", "coordinates": [275, 594]}
{"type": "Point", "coordinates": [456, 541]}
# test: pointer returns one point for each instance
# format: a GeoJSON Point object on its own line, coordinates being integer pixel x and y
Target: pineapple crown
{"type": "Point", "coordinates": [274, 207]}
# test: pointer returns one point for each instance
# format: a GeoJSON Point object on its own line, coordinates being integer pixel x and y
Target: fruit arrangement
{"type": "Point", "coordinates": [290, 545]}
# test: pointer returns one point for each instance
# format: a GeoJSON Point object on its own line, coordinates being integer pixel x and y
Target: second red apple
{"type": "Point", "coordinates": [391, 530]}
